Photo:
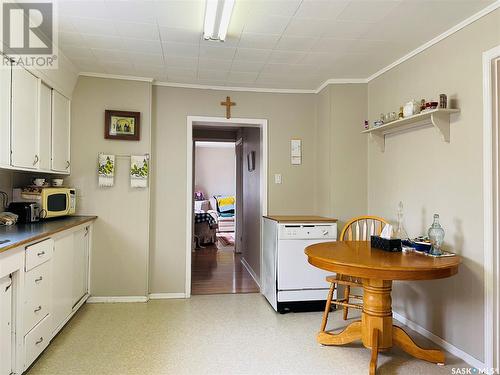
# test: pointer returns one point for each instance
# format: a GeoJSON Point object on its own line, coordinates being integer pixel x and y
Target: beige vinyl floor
{"type": "Point", "coordinates": [211, 334]}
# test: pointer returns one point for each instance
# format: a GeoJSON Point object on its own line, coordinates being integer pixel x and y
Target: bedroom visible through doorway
{"type": "Point", "coordinates": [217, 261]}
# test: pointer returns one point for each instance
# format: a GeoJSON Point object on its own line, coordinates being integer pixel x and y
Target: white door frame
{"type": "Point", "coordinates": [219, 121]}
{"type": "Point", "coordinates": [491, 213]}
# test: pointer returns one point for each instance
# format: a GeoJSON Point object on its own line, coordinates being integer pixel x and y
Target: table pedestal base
{"type": "Point", "coordinates": [375, 329]}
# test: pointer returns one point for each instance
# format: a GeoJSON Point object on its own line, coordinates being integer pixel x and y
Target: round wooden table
{"type": "Point", "coordinates": [377, 269]}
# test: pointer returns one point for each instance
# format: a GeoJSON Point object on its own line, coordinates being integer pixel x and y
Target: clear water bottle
{"type": "Point", "coordinates": [401, 231]}
{"type": "Point", "coordinates": [436, 236]}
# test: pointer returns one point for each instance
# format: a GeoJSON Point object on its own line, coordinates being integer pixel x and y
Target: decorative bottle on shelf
{"type": "Point", "coordinates": [436, 236]}
{"type": "Point", "coordinates": [401, 231]}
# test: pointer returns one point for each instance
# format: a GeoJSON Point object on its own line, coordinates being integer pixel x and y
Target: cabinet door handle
{"type": "Point", "coordinates": [67, 164]}
{"type": "Point", "coordinates": [38, 309]}
{"type": "Point", "coordinates": [37, 280]}
{"type": "Point", "coordinates": [39, 341]}
{"type": "Point", "coordinates": [41, 253]}
{"type": "Point", "coordinates": [37, 159]}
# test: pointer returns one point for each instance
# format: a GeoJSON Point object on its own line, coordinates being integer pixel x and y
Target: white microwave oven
{"type": "Point", "coordinates": [53, 201]}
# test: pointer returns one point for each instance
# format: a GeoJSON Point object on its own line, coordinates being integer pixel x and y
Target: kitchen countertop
{"type": "Point", "coordinates": [300, 219]}
{"type": "Point", "coordinates": [20, 234]}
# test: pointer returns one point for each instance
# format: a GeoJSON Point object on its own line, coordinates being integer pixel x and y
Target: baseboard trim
{"type": "Point", "coordinates": [439, 341]}
{"type": "Point", "coordinates": [117, 299]}
{"type": "Point", "coordinates": [167, 296]}
{"type": "Point", "coordinates": [250, 271]}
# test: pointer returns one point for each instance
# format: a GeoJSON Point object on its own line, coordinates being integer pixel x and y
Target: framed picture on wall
{"type": "Point", "coordinates": [122, 125]}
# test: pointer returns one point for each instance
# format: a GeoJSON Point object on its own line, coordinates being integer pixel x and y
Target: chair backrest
{"type": "Point", "coordinates": [362, 227]}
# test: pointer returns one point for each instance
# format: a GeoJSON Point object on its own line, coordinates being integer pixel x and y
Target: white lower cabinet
{"type": "Point", "coordinates": [62, 286]}
{"type": "Point", "coordinates": [55, 280]}
{"type": "Point", "coordinates": [6, 332]}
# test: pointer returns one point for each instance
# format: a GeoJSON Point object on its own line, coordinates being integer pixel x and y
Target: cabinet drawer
{"type": "Point", "coordinates": [37, 340]}
{"type": "Point", "coordinates": [37, 286]}
{"type": "Point", "coordinates": [39, 253]}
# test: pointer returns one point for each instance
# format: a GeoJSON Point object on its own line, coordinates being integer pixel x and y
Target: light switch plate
{"type": "Point", "coordinates": [277, 178]}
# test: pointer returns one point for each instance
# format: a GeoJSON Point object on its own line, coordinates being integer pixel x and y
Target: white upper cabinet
{"type": "Point", "coordinates": [45, 125]}
{"type": "Point", "coordinates": [60, 133]}
{"type": "Point", "coordinates": [25, 124]}
{"type": "Point", "coordinates": [5, 81]}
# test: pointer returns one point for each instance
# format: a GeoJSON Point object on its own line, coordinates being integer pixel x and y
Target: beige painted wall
{"type": "Point", "coordinates": [431, 176]}
{"type": "Point", "coordinates": [341, 152]}
{"type": "Point", "coordinates": [251, 200]}
{"type": "Point", "coordinates": [121, 234]}
{"type": "Point", "coordinates": [289, 116]}
{"type": "Point", "coordinates": [215, 170]}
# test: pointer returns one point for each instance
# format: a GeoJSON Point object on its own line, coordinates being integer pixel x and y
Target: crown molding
{"type": "Point", "coordinates": [333, 81]}
{"type": "Point", "coordinates": [233, 88]}
{"type": "Point", "coordinates": [115, 76]}
{"type": "Point", "coordinates": [490, 8]}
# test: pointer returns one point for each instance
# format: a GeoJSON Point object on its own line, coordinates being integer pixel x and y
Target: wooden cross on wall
{"type": "Point", "coordinates": [228, 103]}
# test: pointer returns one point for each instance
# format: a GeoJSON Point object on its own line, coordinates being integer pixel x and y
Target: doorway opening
{"type": "Point", "coordinates": [491, 175]}
{"type": "Point", "coordinates": [227, 200]}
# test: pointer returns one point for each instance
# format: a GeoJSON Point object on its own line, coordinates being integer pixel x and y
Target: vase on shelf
{"type": "Point", "coordinates": [436, 236]}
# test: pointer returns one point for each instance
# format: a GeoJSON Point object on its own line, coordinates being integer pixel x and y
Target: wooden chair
{"type": "Point", "coordinates": [357, 229]}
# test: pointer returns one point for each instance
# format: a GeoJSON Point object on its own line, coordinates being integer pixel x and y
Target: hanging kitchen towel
{"type": "Point", "coordinates": [139, 171]}
{"type": "Point", "coordinates": [106, 170]}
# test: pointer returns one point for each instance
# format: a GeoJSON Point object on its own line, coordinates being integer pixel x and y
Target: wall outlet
{"type": "Point", "coordinates": [277, 178]}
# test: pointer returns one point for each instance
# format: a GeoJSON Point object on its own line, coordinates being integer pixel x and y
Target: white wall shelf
{"type": "Point", "coordinates": [440, 118]}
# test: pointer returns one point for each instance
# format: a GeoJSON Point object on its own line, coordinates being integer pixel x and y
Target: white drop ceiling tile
{"type": "Point", "coordinates": [321, 9]}
{"type": "Point", "coordinates": [242, 77]}
{"type": "Point", "coordinates": [78, 53]}
{"type": "Point", "coordinates": [108, 56]}
{"type": "Point", "coordinates": [246, 66]}
{"type": "Point", "coordinates": [239, 17]}
{"type": "Point", "coordinates": [181, 14]}
{"type": "Point", "coordinates": [295, 43]}
{"type": "Point", "coordinates": [312, 27]}
{"type": "Point", "coordinates": [94, 26]}
{"type": "Point", "coordinates": [331, 45]}
{"type": "Point", "coordinates": [181, 62]}
{"type": "Point", "coordinates": [88, 65]}
{"type": "Point", "coordinates": [218, 75]}
{"type": "Point", "coordinates": [275, 69]}
{"type": "Point", "coordinates": [318, 58]}
{"type": "Point", "coordinates": [367, 11]}
{"type": "Point", "coordinates": [137, 30]}
{"type": "Point", "coordinates": [142, 11]}
{"type": "Point", "coordinates": [71, 39]}
{"type": "Point", "coordinates": [262, 41]}
{"type": "Point", "coordinates": [285, 8]}
{"type": "Point", "coordinates": [121, 68]}
{"type": "Point", "coordinates": [286, 57]}
{"type": "Point", "coordinates": [214, 64]}
{"type": "Point", "coordinates": [266, 24]}
{"type": "Point", "coordinates": [145, 58]}
{"type": "Point", "coordinates": [349, 30]}
{"type": "Point", "coordinates": [104, 41]}
{"type": "Point", "coordinates": [94, 9]}
{"type": "Point", "coordinates": [216, 52]}
{"type": "Point", "coordinates": [179, 73]}
{"type": "Point", "coordinates": [181, 49]}
{"type": "Point", "coordinates": [252, 54]}
{"type": "Point", "coordinates": [142, 46]}
{"type": "Point", "coordinates": [172, 34]}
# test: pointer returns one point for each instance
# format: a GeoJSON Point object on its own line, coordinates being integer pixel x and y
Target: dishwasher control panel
{"type": "Point", "coordinates": [308, 231]}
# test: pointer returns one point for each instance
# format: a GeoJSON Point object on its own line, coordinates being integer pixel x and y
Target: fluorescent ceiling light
{"type": "Point", "coordinates": [217, 17]}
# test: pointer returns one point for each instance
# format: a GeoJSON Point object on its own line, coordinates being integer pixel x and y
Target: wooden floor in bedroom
{"type": "Point", "coordinates": [216, 269]}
